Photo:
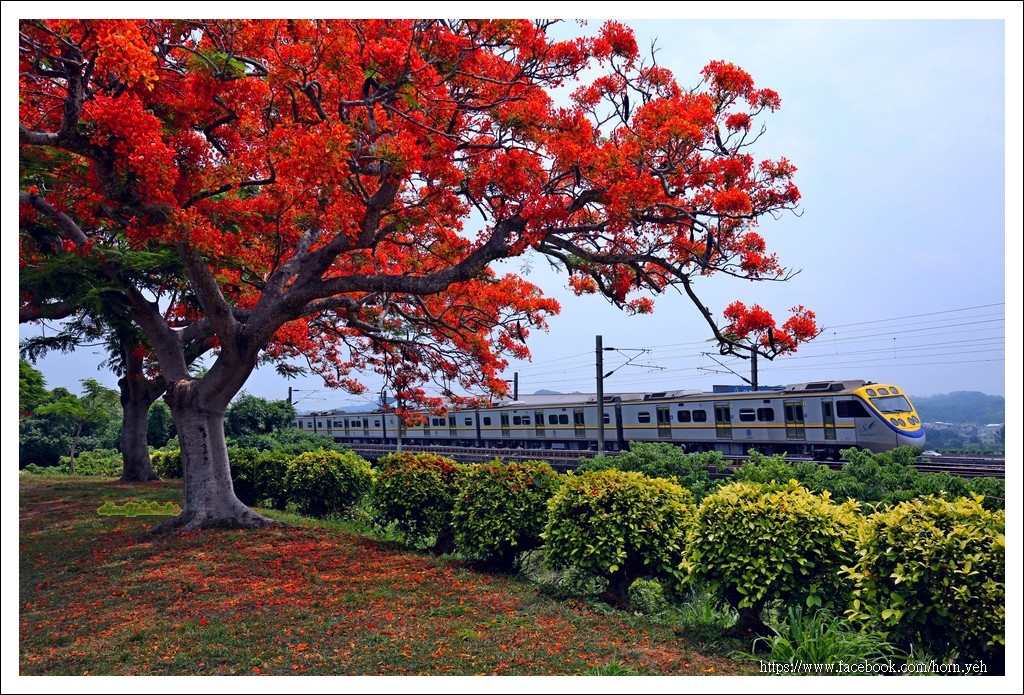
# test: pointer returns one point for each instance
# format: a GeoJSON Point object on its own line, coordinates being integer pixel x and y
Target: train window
{"type": "Point", "coordinates": [766, 415]}
{"type": "Point", "coordinates": [487, 420]}
{"type": "Point", "coordinates": [682, 416]}
{"type": "Point", "coordinates": [747, 415]}
{"type": "Point", "coordinates": [893, 390]}
{"type": "Point", "coordinates": [552, 419]}
{"type": "Point", "coordinates": [644, 416]}
{"type": "Point", "coordinates": [607, 419]}
{"type": "Point", "coordinates": [883, 392]}
{"type": "Point", "coordinates": [526, 420]}
{"type": "Point", "coordinates": [871, 392]}
{"type": "Point", "coordinates": [851, 409]}
{"type": "Point", "coordinates": [563, 419]}
{"type": "Point", "coordinates": [319, 423]}
{"type": "Point", "coordinates": [376, 423]}
{"type": "Point", "coordinates": [469, 422]}
{"type": "Point", "coordinates": [700, 416]}
{"type": "Point", "coordinates": [516, 420]}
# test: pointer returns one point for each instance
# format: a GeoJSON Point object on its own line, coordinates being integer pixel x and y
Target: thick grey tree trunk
{"type": "Point", "coordinates": [135, 402]}
{"type": "Point", "coordinates": [210, 500]}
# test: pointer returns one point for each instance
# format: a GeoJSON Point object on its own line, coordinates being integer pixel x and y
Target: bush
{"type": "Point", "coordinates": [618, 525]}
{"type": "Point", "coordinates": [166, 463]}
{"type": "Point", "coordinates": [930, 573]}
{"type": "Point", "coordinates": [259, 476]}
{"type": "Point", "coordinates": [321, 483]}
{"type": "Point", "coordinates": [661, 460]}
{"type": "Point", "coordinates": [755, 542]}
{"type": "Point", "coordinates": [647, 596]}
{"type": "Point", "coordinates": [993, 490]}
{"type": "Point", "coordinates": [415, 494]}
{"type": "Point", "coordinates": [99, 462]}
{"type": "Point", "coordinates": [501, 510]}
{"type": "Point", "coordinates": [291, 441]}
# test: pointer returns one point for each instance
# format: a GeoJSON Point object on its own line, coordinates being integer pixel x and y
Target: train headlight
{"type": "Point", "coordinates": [894, 421]}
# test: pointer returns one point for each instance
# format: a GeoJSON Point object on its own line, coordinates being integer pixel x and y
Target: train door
{"type": "Point", "coordinates": [723, 421]}
{"type": "Point", "coordinates": [538, 423]}
{"type": "Point", "coordinates": [828, 420]}
{"type": "Point", "coordinates": [453, 429]}
{"type": "Point", "coordinates": [578, 423]}
{"type": "Point", "coordinates": [505, 431]}
{"type": "Point", "coordinates": [664, 422]}
{"type": "Point", "coordinates": [794, 419]}
{"type": "Point", "coordinates": [366, 427]}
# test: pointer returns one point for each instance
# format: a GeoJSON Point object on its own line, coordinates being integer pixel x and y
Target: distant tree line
{"type": "Point", "coordinates": [964, 407]}
{"type": "Point", "coordinates": [55, 426]}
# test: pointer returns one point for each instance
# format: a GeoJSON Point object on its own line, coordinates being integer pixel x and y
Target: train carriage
{"type": "Point", "coordinates": [816, 419]}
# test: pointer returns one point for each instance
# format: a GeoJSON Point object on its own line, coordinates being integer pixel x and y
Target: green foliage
{"type": "Point", "coordinates": [248, 415]}
{"type": "Point", "coordinates": [760, 468]}
{"type": "Point", "coordinates": [930, 572]}
{"type": "Point", "coordinates": [613, 668]}
{"type": "Point", "coordinates": [88, 414]}
{"type": "Point", "coordinates": [159, 424]}
{"type": "Point", "coordinates": [993, 490]}
{"type": "Point", "coordinates": [415, 494]}
{"type": "Point", "coordinates": [324, 482]}
{"type": "Point", "coordinates": [501, 510]}
{"type": "Point", "coordinates": [42, 440]}
{"type": "Point", "coordinates": [292, 441]}
{"type": "Point", "coordinates": [885, 478]}
{"type": "Point", "coordinates": [876, 479]}
{"type": "Point", "coordinates": [755, 542]}
{"type": "Point", "coordinates": [647, 596]}
{"type": "Point", "coordinates": [619, 525]}
{"type": "Point", "coordinates": [166, 462]}
{"type": "Point", "coordinates": [31, 389]}
{"type": "Point", "coordinates": [704, 609]}
{"type": "Point", "coordinates": [99, 462]}
{"type": "Point", "coordinates": [661, 460]}
{"type": "Point", "coordinates": [805, 641]}
{"type": "Point", "coordinates": [259, 476]}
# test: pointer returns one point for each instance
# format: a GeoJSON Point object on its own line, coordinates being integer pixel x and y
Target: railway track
{"type": "Point", "coordinates": [563, 460]}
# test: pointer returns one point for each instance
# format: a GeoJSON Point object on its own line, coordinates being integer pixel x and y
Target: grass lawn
{"type": "Point", "coordinates": [99, 596]}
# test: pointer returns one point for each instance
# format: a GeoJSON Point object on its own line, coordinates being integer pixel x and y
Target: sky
{"type": "Point", "coordinates": [899, 130]}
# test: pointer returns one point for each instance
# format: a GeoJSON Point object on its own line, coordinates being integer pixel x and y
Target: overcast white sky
{"type": "Point", "coordinates": [899, 131]}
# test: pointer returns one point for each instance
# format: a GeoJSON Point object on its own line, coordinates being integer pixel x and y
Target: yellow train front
{"type": "Point", "coordinates": [817, 419]}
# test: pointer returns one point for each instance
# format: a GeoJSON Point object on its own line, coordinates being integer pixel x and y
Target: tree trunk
{"type": "Point", "coordinates": [210, 500]}
{"type": "Point", "coordinates": [134, 430]}
{"type": "Point", "coordinates": [74, 447]}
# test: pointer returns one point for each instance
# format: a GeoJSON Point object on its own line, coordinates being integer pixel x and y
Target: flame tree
{"type": "Point", "coordinates": [339, 190]}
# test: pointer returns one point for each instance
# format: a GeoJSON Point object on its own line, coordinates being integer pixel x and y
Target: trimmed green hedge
{"type": "Point", "coordinates": [755, 542]}
{"type": "Point", "coordinates": [931, 572]}
{"type": "Point", "coordinates": [618, 525]}
{"type": "Point", "coordinates": [414, 494]}
{"type": "Point", "coordinates": [501, 509]}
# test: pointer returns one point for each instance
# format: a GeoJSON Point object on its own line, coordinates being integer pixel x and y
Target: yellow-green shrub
{"type": "Point", "coordinates": [327, 482]}
{"type": "Point", "coordinates": [166, 463]}
{"type": "Point", "coordinates": [618, 525]}
{"type": "Point", "coordinates": [755, 542]}
{"type": "Point", "coordinates": [931, 572]}
{"type": "Point", "coordinates": [415, 493]}
{"type": "Point", "coordinates": [501, 511]}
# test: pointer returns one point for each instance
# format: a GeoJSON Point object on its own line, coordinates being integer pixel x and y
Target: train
{"type": "Point", "coordinates": [812, 419]}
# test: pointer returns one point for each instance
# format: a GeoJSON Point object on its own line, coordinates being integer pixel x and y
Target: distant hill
{"type": "Point", "coordinates": [962, 407]}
